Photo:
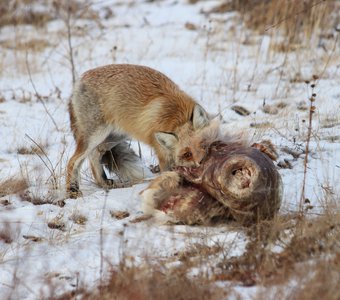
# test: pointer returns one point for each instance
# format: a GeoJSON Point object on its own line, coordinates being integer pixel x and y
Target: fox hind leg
{"type": "Point", "coordinates": [73, 170]}
{"type": "Point", "coordinates": [98, 170]}
{"type": "Point", "coordinates": [102, 156]}
{"type": "Point", "coordinates": [87, 146]}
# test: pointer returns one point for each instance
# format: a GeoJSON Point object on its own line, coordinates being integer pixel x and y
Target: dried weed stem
{"type": "Point", "coordinates": [69, 41]}
{"type": "Point", "coordinates": [312, 109]}
{"type": "Point", "coordinates": [38, 95]}
{"type": "Point", "coordinates": [48, 163]}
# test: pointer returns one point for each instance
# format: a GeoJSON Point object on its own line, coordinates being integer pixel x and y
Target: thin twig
{"type": "Point", "coordinates": [69, 41]}
{"type": "Point", "coordinates": [37, 94]}
{"type": "Point", "coordinates": [294, 15]}
{"type": "Point", "coordinates": [206, 53]}
{"type": "Point", "coordinates": [50, 168]}
{"type": "Point", "coordinates": [330, 56]}
{"type": "Point", "coordinates": [101, 240]}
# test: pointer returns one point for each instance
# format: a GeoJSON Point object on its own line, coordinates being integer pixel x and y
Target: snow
{"type": "Point", "coordinates": [212, 63]}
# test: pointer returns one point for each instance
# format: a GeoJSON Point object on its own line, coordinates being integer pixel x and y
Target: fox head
{"type": "Point", "coordinates": [190, 142]}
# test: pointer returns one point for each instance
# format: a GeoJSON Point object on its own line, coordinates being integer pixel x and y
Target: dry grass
{"type": "Point", "coordinates": [38, 199]}
{"type": "Point", "coordinates": [12, 186]}
{"type": "Point", "coordinates": [291, 257]}
{"type": "Point", "coordinates": [297, 21]}
{"type": "Point", "coordinates": [305, 243]}
{"type": "Point", "coordinates": [78, 218]}
{"type": "Point", "coordinates": [24, 46]}
{"type": "Point", "coordinates": [152, 282]}
{"type": "Point", "coordinates": [6, 233]}
{"type": "Point", "coordinates": [35, 45]}
{"type": "Point", "coordinates": [319, 280]}
{"type": "Point", "coordinates": [25, 12]}
{"type": "Point", "coordinates": [19, 12]}
{"type": "Point", "coordinates": [33, 150]}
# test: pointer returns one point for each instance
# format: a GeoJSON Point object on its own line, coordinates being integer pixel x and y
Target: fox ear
{"type": "Point", "coordinates": [200, 117]}
{"type": "Point", "coordinates": [166, 139]}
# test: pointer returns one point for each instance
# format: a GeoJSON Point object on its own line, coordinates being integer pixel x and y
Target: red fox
{"type": "Point", "coordinates": [114, 102]}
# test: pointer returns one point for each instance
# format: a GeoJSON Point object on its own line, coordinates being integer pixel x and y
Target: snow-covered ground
{"type": "Point", "coordinates": [214, 59]}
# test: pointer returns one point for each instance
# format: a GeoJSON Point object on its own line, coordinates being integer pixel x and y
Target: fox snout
{"type": "Point", "coordinates": [199, 161]}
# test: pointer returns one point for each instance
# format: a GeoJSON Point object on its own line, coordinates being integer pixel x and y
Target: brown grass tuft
{"type": "Point", "coordinates": [306, 244]}
{"type": "Point", "coordinates": [35, 45]}
{"type": "Point", "coordinates": [27, 12]}
{"type": "Point", "coordinates": [78, 218]}
{"type": "Point", "coordinates": [33, 150]}
{"type": "Point", "coordinates": [39, 199]}
{"type": "Point", "coordinates": [319, 280]}
{"type": "Point", "coordinates": [20, 12]}
{"type": "Point", "coordinates": [152, 282]}
{"type": "Point", "coordinates": [6, 233]}
{"type": "Point", "coordinates": [296, 20]}
{"type": "Point", "coordinates": [12, 186]}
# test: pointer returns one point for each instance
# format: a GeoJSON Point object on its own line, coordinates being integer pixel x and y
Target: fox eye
{"type": "Point", "coordinates": [187, 155]}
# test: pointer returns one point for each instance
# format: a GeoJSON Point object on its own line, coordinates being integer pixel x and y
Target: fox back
{"type": "Point", "coordinates": [135, 99]}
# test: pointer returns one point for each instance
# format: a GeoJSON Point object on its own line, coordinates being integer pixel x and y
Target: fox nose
{"type": "Point", "coordinates": [198, 163]}
{"type": "Point", "coordinates": [202, 159]}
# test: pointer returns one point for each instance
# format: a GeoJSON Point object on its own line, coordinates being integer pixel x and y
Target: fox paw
{"type": "Point", "coordinates": [107, 184]}
{"type": "Point", "coordinates": [74, 193]}
{"type": "Point", "coordinates": [169, 180]}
